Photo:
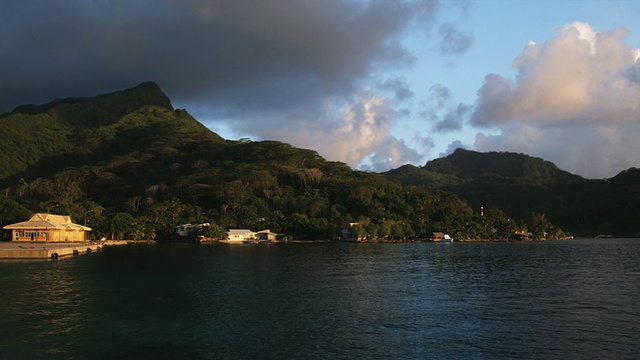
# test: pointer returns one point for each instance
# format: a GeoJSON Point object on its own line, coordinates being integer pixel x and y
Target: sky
{"type": "Point", "coordinates": [374, 84]}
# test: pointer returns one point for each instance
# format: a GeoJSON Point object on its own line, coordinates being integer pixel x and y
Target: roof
{"type": "Point", "coordinates": [240, 231]}
{"type": "Point", "coordinates": [48, 221]}
{"type": "Point", "coordinates": [267, 231]}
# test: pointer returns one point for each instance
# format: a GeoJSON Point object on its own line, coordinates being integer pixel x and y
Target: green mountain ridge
{"type": "Point", "coordinates": [520, 185]}
{"type": "Point", "coordinates": [130, 165]}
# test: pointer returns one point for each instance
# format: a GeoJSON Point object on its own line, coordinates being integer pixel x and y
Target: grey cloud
{"type": "Point", "coordinates": [633, 73]}
{"type": "Point", "coordinates": [453, 40]}
{"type": "Point", "coordinates": [398, 87]}
{"type": "Point", "coordinates": [288, 70]}
{"type": "Point", "coordinates": [452, 147]}
{"type": "Point", "coordinates": [391, 153]}
{"type": "Point", "coordinates": [441, 110]}
{"type": "Point", "coordinates": [493, 103]}
{"type": "Point", "coordinates": [454, 118]}
{"type": "Point", "coordinates": [232, 54]}
{"type": "Point", "coordinates": [440, 95]}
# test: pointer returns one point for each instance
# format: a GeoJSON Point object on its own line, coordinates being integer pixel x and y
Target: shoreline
{"type": "Point", "coordinates": [52, 250]}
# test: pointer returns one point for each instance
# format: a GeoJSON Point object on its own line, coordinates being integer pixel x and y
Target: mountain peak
{"type": "Point", "coordinates": [149, 93]}
{"type": "Point", "coordinates": [123, 101]}
{"type": "Point", "coordinates": [500, 166]}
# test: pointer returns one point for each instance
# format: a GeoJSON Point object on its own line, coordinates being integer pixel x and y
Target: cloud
{"type": "Point", "coordinates": [288, 70]}
{"type": "Point", "coordinates": [575, 101]}
{"type": "Point", "coordinates": [442, 111]}
{"type": "Point", "coordinates": [391, 153]}
{"type": "Point", "coordinates": [457, 144]}
{"type": "Point", "coordinates": [453, 40]}
{"type": "Point", "coordinates": [399, 87]}
{"type": "Point", "coordinates": [357, 132]}
{"type": "Point", "coordinates": [232, 54]}
{"type": "Point", "coordinates": [452, 120]}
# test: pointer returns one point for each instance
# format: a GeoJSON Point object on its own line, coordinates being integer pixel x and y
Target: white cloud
{"type": "Point", "coordinates": [357, 132]}
{"type": "Point", "coordinates": [575, 101]}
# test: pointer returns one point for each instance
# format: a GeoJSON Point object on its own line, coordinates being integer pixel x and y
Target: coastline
{"type": "Point", "coordinates": [52, 250]}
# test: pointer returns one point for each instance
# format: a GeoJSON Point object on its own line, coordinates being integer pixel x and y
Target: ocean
{"type": "Point", "coordinates": [572, 299]}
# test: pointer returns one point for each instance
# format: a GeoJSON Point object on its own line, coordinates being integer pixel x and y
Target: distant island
{"type": "Point", "coordinates": [130, 166]}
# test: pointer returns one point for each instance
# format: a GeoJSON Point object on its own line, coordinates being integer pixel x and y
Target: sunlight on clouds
{"type": "Point", "coordinates": [563, 80]}
{"type": "Point", "coordinates": [575, 101]}
{"type": "Point", "coordinates": [357, 133]}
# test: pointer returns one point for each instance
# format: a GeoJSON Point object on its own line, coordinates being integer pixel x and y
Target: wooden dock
{"type": "Point", "coordinates": [51, 250]}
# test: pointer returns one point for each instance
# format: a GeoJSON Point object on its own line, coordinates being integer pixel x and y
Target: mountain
{"type": "Point", "coordinates": [522, 185]}
{"type": "Point", "coordinates": [129, 165]}
{"type": "Point", "coordinates": [464, 167]}
{"type": "Point", "coordinates": [84, 130]}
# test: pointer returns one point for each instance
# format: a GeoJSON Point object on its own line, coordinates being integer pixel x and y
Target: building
{"type": "Point", "coordinates": [347, 235]}
{"type": "Point", "coordinates": [266, 235]}
{"type": "Point", "coordinates": [240, 235]}
{"type": "Point", "coordinates": [48, 227]}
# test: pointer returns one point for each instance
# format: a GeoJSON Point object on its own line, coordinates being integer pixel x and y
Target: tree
{"type": "Point", "coordinates": [212, 231]}
{"type": "Point", "coordinates": [11, 212]}
{"type": "Point", "coordinates": [121, 225]}
{"type": "Point", "coordinates": [539, 228]}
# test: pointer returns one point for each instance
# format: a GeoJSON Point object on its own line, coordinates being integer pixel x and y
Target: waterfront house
{"type": "Point", "coordinates": [347, 235]}
{"type": "Point", "coordinates": [48, 227]}
{"type": "Point", "coordinates": [239, 235]}
{"type": "Point", "coordinates": [266, 235]}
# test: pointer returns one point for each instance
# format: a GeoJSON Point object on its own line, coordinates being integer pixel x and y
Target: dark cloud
{"type": "Point", "coordinates": [453, 40]}
{"type": "Point", "coordinates": [279, 69]}
{"type": "Point", "coordinates": [398, 87]}
{"type": "Point", "coordinates": [231, 53]}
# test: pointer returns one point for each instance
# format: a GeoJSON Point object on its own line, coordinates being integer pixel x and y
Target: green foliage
{"type": "Point", "coordinates": [10, 212]}
{"type": "Point", "coordinates": [128, 165]}
{"type": "Point", "coordinates": [121, 225]}
{"type": "Point", "coordinates": [213, 231]}
{"type": "Point", "coordinates": [521, 185]}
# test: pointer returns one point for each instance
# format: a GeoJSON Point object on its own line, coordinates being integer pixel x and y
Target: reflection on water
{"type": "Point", "coordinates": [42, 303]}
{"type": "Point", "coordinates": [571, 299]}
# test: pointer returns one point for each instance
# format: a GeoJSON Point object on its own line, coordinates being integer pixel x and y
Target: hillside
{"type": "Point", "coordinates": [129, 165]}
{"type": "Point", "coordinates": [87, 131]}
{"type": "Point", "coordinates": [521, 185]}
{"type": "Point", "coordinates": [464, 167]}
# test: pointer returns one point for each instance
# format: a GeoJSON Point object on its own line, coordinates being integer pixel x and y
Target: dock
{"type": "Point", "coordinates": [51, 250]}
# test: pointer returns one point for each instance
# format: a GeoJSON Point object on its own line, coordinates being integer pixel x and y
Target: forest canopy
{"type": "Point", "coordinates": [130, 166]}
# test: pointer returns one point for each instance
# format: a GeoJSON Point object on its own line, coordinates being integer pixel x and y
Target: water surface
{"type": "Point", "coordinates": [553, 300]}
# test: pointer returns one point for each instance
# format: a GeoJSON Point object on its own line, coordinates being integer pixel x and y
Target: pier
{"type": "Point", "coordinates": [47, 250]}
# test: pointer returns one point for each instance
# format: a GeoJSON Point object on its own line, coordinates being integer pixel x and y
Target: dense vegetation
{"type": "Point", "coordinates": [522, 185]}
{"type": "Point", "coordinates": [130, 166]}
